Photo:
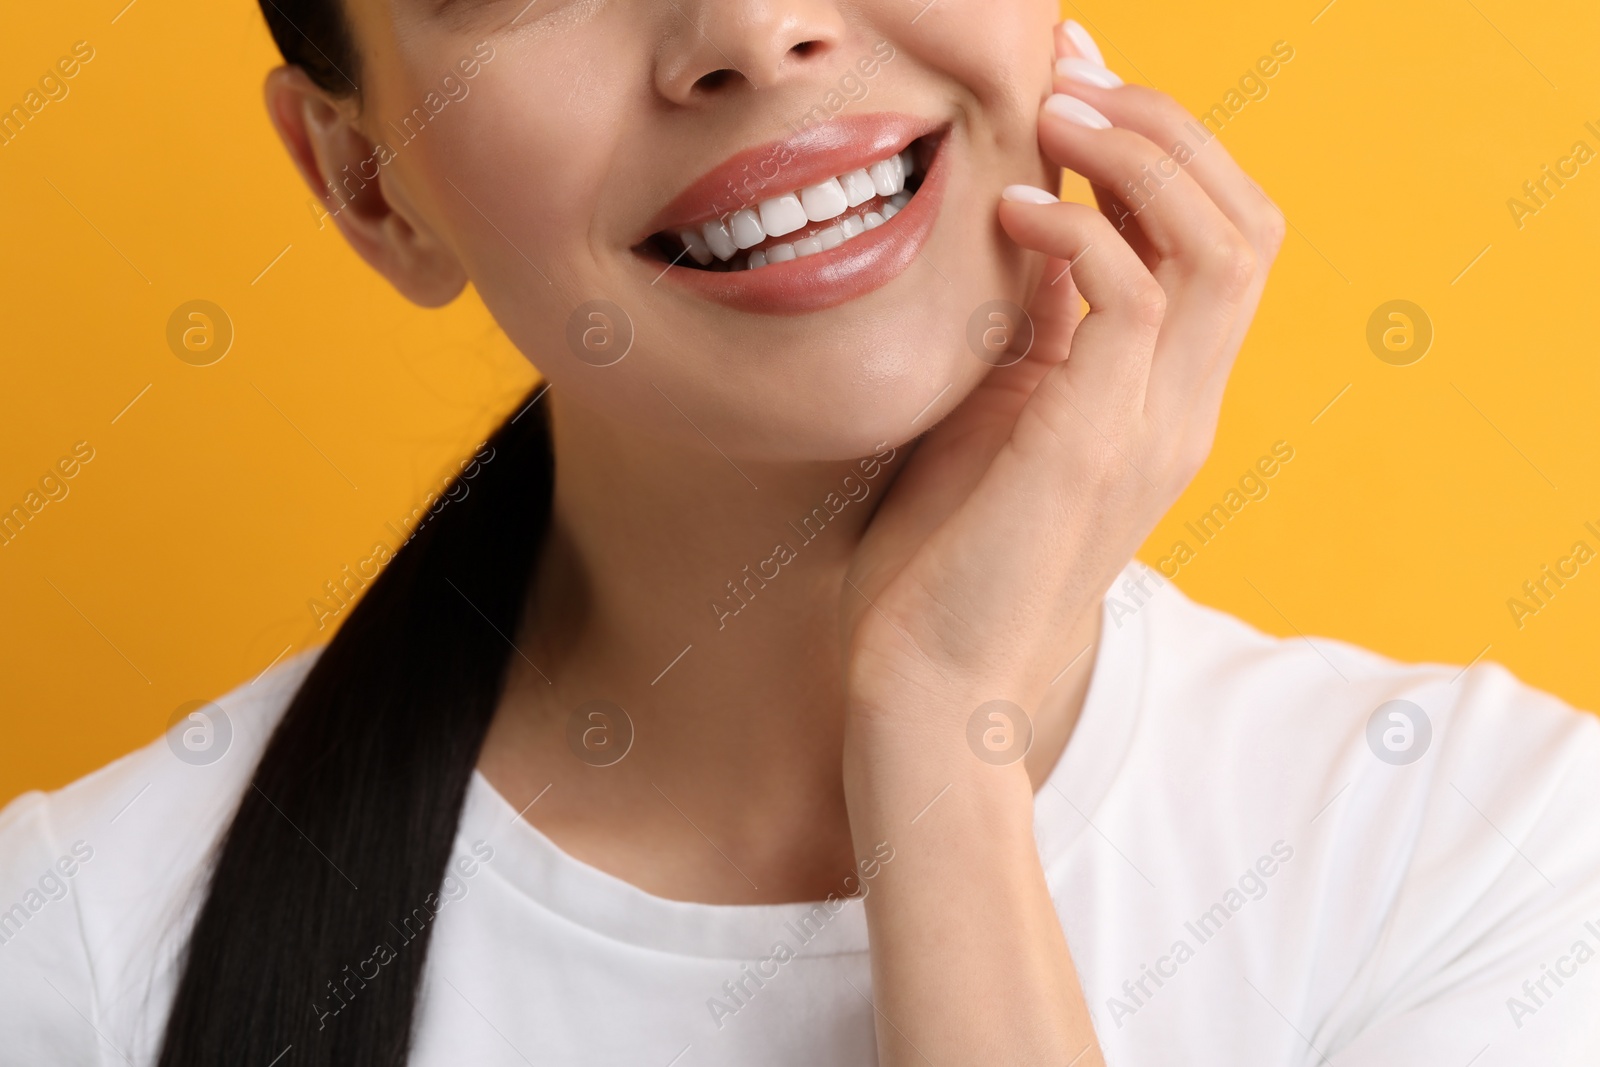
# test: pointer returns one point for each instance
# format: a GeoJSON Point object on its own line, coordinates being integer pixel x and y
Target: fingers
{"type": "Point", "coordinates": [1185, 227]}
{"type": "Point", "coordinates": [1073, 40]}
{"type": "Point", "coordinates": [1190, 145]}
{"type": "Point", "coordinates": [1184, 140]}
{"type": "Point", "coordinates": [1112, 346]}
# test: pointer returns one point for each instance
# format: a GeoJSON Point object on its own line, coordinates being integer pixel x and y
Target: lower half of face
{"type": "Point", "coordinates": [792, 252]}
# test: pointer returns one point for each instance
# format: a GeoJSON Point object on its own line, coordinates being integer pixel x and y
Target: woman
{"type": "Point", "coordinates": [756, 697]}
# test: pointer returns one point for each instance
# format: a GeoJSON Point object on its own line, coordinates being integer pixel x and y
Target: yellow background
{"type": "Point", "coordinates": [182, 560]}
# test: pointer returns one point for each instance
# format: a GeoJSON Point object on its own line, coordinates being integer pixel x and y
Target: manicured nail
{"type": "Point", "coordinates": [1074, 110]}
{"type": "Point", "coordinates": [1083, 42]}
{"type": "Point", "coordinates": [1087, 73]}
{"type": "Point", "coordinates": [1028, 194]}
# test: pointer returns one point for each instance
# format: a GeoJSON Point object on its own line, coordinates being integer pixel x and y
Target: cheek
{"type": "Point", "coordinates": [519, 177]}
{"type": "Point", "coordinates": [999, 59]}
{"type": "Point", "coordinates": [1001, 53]}
{"type": "Point", "coordinates": [523, 164]}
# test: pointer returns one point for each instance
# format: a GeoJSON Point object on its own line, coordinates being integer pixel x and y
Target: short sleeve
{"type": "Point", "coordinates": [47, 999]}
{"type": "Point", "coordinates": [1491, 954]}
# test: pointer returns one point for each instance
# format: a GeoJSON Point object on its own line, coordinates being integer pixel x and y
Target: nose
{"type": "Point", "coordinates": [721, 45]}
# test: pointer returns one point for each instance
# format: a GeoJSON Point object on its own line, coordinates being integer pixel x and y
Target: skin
{"type": "Point", "coordinates": [810, 730]}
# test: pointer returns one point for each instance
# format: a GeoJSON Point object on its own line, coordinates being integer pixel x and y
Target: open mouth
{"type": "Point", "coordinates": [826, 215]}
{"type": "Point", "coordinates": [800, 222]}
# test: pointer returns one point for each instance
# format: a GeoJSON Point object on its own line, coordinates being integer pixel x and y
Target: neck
{"type": "Point", "coordinates": [701, 594]}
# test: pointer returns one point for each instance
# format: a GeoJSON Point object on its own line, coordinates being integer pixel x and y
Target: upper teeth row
{"type": "Point", "coordinates": [748, 227]}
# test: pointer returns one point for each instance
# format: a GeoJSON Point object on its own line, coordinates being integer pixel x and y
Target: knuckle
{"type": "Point", "coordinates": [1270, 234]}
{"type": "Point", "coordinates": [1146, 302]}
{"type": "Point", "coordinates": [1158, 106]}
{"type": "Point", "coordinates": [1232, 262]}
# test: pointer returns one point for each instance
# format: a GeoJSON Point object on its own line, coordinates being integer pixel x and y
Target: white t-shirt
{"type": "Point", "coordinates": [1246, 870]}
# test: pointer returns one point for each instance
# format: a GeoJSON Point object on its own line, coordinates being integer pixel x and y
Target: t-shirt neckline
{"type": "Point", "coordinates": [539, 870]}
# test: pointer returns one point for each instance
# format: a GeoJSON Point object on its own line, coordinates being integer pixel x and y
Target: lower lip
{"type": "Point", "coordinates": [827, 279]}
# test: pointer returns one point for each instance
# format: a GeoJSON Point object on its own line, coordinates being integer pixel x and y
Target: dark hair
{"type": "Point", "coordinates": [347, 826]}
{"type": "Point", "coordinates": [314, 36]}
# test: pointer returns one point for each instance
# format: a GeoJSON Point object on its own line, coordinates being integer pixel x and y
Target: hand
{"type": "Point", "coordinates": [1017, 511]}
{"type": "Point", "coordinates": [1001, 533]}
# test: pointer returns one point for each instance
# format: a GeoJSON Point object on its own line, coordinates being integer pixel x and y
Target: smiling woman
{"type": "Point", "coordinates": [657, 809]}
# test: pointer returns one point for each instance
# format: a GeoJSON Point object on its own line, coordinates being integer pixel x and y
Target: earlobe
{"type": "Point", "coordinates": [347, 172]}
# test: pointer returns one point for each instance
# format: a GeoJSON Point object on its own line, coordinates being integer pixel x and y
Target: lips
{"type": "Point", "coordinates": [808, 222]}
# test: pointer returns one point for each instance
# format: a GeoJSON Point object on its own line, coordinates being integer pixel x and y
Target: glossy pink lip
{"type": "Point", "coordinates": [813, 155]}
{"type": "Point", "coordinates": [830, 278]}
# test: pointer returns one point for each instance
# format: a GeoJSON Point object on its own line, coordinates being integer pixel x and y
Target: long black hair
{"type": "Point", "coordinates": [343, 835]}
{"type": "Point", "coordinates": [344, 832]}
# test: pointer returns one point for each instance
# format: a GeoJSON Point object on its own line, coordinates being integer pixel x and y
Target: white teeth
{"type": "Point", "coordinates": [746, 228]}
{"type": "Point", "coordinates": [722, 239]}
{"type": "Point", "coordinates": [858, 187]}
{"type": "Point", "coordinates": [883, 178]}
{"type": "Point", "coordinates": [719, 239]}
{"type": "Point", "coordinates": [696, 246]}
{"type": "Point", "coordinates": [782, 214]}
{"type": "Point", "coordinates": [825, 201]}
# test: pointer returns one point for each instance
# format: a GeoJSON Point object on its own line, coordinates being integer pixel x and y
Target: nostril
{"type": "Point", "coordinates": [806, 48]}
{"type": "Point", "coordinates": [715, 80]}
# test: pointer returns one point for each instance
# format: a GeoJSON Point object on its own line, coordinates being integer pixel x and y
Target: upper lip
{"type": "Point", "coordinates": [814, 154]}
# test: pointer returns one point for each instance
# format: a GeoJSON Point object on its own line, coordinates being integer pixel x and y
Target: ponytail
{"type": "Point", "coordinates": [349, 820]}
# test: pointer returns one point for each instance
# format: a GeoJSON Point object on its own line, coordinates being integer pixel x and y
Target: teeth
{"type": "Point", "coordinates": [858, 187]}
{"type": "Point", "coordinates": [782, 214]}
{"type": "Point", "coordinates": [825, 201]}
{"type": "Point", "coordinates": [721, 241]}
{"type": "Point", "coordinates": [886, 178]}
{"type": "Point", "coordinates": [696, 246]}
{"type": "Point", "coordinates": [746, 228]}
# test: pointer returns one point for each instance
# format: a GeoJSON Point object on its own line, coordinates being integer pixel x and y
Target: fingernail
{"type": "Point", "coordinates": [1083, 42]}
{"type": "Point", "coordinates": [1028, 194]}
{"type": "Point", "coordinates": [1087, 73]}
{"type": "Point", "coordinates": [1074, 110]}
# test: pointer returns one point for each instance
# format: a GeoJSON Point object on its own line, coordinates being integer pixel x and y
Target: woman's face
{"type": "Point", "coordinates": [574, 151]}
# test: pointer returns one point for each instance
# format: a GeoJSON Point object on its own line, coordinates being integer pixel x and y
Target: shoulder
{"type": "Point", "coordinates": [1440, 818]}
{"type": "Point", "coordinates": [1216, 671]}
{"type": "Point", "coordinates": [99, 879]}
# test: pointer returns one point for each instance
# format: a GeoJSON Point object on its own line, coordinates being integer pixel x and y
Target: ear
{"type": "Point", "coordinates": [365, 198]}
